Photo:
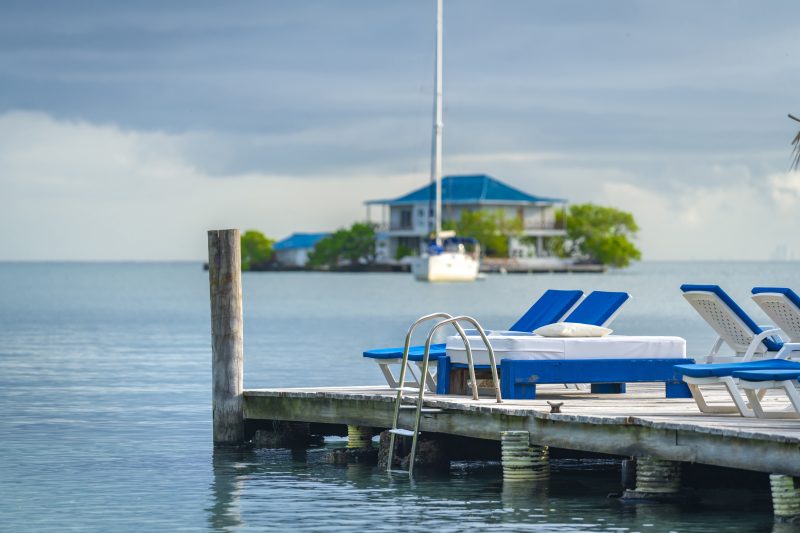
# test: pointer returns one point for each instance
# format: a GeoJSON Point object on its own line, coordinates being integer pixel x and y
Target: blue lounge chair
{"type": "Point", "coordinates": [782, 306]}
{"type": "Point", "coordinates": [599, 308]}
{"type": "Point", "coordinates": [733, 326]}
{"type": "Point", "coordinates": [549, 308]}
{"type": "Point", "coordinates": [752, 345]}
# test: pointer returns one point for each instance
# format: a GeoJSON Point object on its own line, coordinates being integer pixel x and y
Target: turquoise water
{"type": "Point", "coordinates": [104, 392]}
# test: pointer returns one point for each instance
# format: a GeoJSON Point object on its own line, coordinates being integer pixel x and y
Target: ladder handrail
{"type": "Point", "coordinates": [403, 366]}
{"type": "Point", "coordinates": [425, 360]}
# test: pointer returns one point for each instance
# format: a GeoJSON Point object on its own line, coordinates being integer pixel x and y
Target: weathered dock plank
{"type": "Point", "coordinates": [640, 423]}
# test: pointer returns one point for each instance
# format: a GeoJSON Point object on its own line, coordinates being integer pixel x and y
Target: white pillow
{"type": "Point", "coordinates": [572, 329]}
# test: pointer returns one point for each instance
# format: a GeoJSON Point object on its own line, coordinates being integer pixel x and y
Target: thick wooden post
{"type": "Point", "coordinates": [227, 339]}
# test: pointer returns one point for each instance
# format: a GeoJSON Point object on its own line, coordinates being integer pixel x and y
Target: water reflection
{"type": "Point", "coordinates": [520, 495]}
{"type": "Point", "coordinates": [229, 464]}
{"type": "Point", "coordinates": [250, 488]}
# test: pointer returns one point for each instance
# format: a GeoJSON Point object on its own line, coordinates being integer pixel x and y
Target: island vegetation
{"type": "Point", "coordinates": [490, 227]}
{"type": "Point", "coordinates": [256, 250]}
{"type": "Point", "coordinates": [354, 245]}
{"type": "Point", "coordinates": [598, 234]}
{"type": "Point", "coordinates": [594, 235]}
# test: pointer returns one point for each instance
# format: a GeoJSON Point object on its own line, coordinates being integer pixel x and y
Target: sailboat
{"type": "Point", "coordinates": [446, 259]}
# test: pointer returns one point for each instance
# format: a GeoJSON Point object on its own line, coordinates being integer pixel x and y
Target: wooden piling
{"type": "Point", "coordinates": [521, 461]}
{"type": "Point", "coordinates": [657, 480]}
{"type": "Point", "coordinates": [785, 498]}
{"type": "Point", "coordinates": [227, 339]}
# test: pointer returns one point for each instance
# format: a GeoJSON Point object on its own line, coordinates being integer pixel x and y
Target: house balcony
{"type": "Point", "coordinates": [405, 228]}
{"type": "Point", "coordinates": [544, 225]}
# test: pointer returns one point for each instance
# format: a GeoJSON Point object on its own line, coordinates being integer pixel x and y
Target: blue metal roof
{"type": "Point", "coordinates": [299, 240]}
{"type": "Point", "coordinates": [473, 189]}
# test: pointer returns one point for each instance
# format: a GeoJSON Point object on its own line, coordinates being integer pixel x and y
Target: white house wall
{"type": "Point", "coordinates": [293, 256]}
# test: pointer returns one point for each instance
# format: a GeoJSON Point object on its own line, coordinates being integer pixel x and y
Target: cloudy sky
{"type": "Point", "coordinates": [127, 129]}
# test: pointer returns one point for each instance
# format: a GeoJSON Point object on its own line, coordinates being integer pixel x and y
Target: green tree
{"type": "Point", "coordinates": [354, 245]}
{"type": "Point", "coordinates": [598, 234]}
{"type": "Point", "coordinates": [489, 227]}
{"type": "Point", "coordinates": [256, 249]}
{"type": "Point", "coordinates": [403, 251]}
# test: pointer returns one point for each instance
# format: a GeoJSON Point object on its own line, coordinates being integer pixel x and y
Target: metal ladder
{"type": "Point", "coordinates": [401, 388]}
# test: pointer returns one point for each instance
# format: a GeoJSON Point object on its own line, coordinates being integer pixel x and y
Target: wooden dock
{"type": "Point", "coordinates": [660, 433]}
{"type": "Point", "coordinates": [639, 423]}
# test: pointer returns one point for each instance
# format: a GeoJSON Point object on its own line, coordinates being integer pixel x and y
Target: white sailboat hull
{"type": "Point", "coordinates": [447, 266]}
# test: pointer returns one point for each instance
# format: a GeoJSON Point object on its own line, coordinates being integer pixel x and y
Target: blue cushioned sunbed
{"type": "Point", "coordinates": [715, 370]}
{"type": "Point", "coordinates": [599, 308]}
{"type": "Point", "coordinates": [549, 308]}
{"type": "Point", "coordinates": [769, 375]}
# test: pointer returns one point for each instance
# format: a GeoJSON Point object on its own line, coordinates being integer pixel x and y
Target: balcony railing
{"type": "Point", "coordinates": [529, 225]}
{"type": "Point", "coordinates": [550, 224]}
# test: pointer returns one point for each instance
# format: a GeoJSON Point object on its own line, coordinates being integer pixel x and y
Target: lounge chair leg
{"type": "Point", "coordinates": [755, 403]}
{"type": "Point", "coordinates": [387, 373]}
{"type": "Point", "coordinates": [521, 461]}
{"type": "Point", "coordinates": [430, 376]}
{"type": "Point", "coordinates": [794, 397]}
{"type": "Point", "coordinates": [656, 480]}
{"type": "Point", "coordinates": [736, 396]}
{"type": "Point", "coordinates": [697, 394]}
{"type": "Point", "coordinates": [785, 497]}
{"type": "Point", "coordinates": [755, 393]}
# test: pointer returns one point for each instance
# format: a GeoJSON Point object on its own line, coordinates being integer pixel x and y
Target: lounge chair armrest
{"type": "Point", "coordinates": [788, 349]}
{"type": "Point", "coordinates": [773, 327]}
{"type": "Point", "coordinates": [751, 350]}
{"type": "Point", "coordinates": [714, 349]}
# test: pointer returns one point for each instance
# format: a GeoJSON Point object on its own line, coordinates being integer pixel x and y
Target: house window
{"type": "Point", "coordinates": [405, 219]}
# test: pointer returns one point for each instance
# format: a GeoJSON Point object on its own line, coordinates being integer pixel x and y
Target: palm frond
{"type": "Point", "coordinates": [796, 144]}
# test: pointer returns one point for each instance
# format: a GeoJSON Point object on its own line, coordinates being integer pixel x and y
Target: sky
{"type": "Point", "coordinates": [128, 129]}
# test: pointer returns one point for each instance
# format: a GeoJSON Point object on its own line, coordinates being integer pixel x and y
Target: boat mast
{"type": "Point", "coordinates": [436, 156]}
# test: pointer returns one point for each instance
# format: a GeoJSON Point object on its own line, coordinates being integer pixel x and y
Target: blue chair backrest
{"type": "Point", "coordinates": [782, 305]}
{"type": "Point", "coordinates": [548, 309]}
{"type": "Point", "coordinates": [599, 308]}
{"type": "Point", "coordinates": [770, 343]}
{"type": "Point", "coordinates": [789, 293]}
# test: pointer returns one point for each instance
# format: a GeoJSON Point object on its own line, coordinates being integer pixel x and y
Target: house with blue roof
{"type": "Point", "coordinates": [294, 249]}
{"type": "Point", "coordinates": [407, 221]}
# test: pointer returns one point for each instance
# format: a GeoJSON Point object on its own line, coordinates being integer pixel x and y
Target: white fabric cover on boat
{"type": "Point", "coordinates": [514, 345]}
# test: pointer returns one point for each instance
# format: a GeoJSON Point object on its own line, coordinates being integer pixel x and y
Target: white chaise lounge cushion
{"type": "Point", "coordinates": [530, 346]}
{"type": "Point", "coordinates": [572, 329]}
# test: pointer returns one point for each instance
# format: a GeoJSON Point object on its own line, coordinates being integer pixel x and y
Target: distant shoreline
{"type": "Point", "coordinates": [485, 269]}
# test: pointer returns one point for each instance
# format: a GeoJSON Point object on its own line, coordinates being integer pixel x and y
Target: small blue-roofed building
{"type": "Point", "coordinates": [407, 221]}
{"type": "Point", "coordinates": [294, 249]}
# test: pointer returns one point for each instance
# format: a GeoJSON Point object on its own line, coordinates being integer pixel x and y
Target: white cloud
{"type": "Point", "coordinates": [78, 190]}
{"type": "Point", "coordinates": [75, 190]}
{"type": "Point", "coordinates": [735, 221]}
{"type": "Point", "coordinates": [786, 189]}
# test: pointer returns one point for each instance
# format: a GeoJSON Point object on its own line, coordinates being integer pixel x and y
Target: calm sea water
{"type": "Point", "coordinates": [105, 400]}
